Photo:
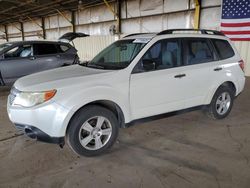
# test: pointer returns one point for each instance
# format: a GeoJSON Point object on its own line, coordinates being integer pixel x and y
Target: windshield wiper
{"type": "Point", "coordinates": [85, 63]}
{"type": "Point", "coordinates": [94, 66]}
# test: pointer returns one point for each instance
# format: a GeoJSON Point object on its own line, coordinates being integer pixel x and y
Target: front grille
{"type": "Point", "coordinates": [13, 94]}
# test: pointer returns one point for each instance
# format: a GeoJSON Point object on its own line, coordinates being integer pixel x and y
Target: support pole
{"type": "Point", "coordinates": [116, 14]}
{"type": "Point", "coordinates": [6, 33]}
{"type": "Point", "coordinates": [73, 21]}
{"type": "Point", "coordinates": [197, 14]}
{"type": "Point", "coordinates": [119, 16]}
{"type": "Point", "coordinates": [36, 23]}
{"type": "Point", "coordinates": [13, 24]}
{"type": "Point", "coordinates": [33, 21]}
{"type": "Point", "coordinates": [22, 31]}
{"type": "Point", "coordinates": [43, 28]}
{"type": "Point", "coordinates": [109, 7]}
{"type": "Point", "coordinates": [64, 16]}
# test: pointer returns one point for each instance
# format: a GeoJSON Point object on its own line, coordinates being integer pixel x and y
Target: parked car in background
{"type": "Point", "coordinates": [18, 59]}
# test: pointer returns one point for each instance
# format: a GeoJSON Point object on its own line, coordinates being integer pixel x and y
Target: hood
{"type": "Point", "coordinates": [59, 77]}
{"type": "Point", "coordinates": [68, 37]}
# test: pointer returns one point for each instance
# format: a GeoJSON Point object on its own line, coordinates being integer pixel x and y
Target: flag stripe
{"type": "Point", "coordinates": [245, 24]}
{"type": "Point", "coordinates": [235, 20]}
{"type": "Point", "coordinates": [239, 36]}
{"type": "Point", "coordinates": [235, 28]}
{"type": "Point", "coordinates": [235, 32]}
{"type": "Point", "coordinates": [240, 39]}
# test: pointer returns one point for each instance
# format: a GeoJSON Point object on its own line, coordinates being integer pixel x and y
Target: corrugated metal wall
{"type": "Point", "coordinates": [88, 47]}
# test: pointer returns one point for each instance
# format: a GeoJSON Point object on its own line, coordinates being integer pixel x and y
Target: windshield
{"type": "Point", "coordinates": [4, 46]}
{"type": "Point", "coordinates": [118, 55]}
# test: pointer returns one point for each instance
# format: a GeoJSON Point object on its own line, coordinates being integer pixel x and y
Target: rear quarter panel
{"type": "Point", "coordinates": [231, 72]}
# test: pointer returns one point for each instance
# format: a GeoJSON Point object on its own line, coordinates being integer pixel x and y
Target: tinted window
{"type": "Point", "coordinates": [223, 48]}
{"type": "Point", "coordinates": [197, 51]}
{"type": "Point", "coordinates": [19, 51]}
{"type": "Point", "coordinates": [4, 46]}
{"type": "Point", "coordinates": [62, 48]}
{"type": "Point", "coordinates": [45, 49]}
{"type": "Point", "coordinates": [165, 54]}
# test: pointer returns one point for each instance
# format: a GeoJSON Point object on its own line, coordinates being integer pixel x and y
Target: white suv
{"type": "Point", "coordinates": [139, 76]}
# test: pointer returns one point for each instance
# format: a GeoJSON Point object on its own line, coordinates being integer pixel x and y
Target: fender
{"type": "Point", "coordinates": [98, 93]}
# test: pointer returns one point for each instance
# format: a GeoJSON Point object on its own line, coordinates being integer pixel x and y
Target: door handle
{"type": "Point", "coordinates": [58, 55]}
{"type": "Point", "coordinates": [180, 75]}
{"type": "Point", "coordinates": [218, 69]}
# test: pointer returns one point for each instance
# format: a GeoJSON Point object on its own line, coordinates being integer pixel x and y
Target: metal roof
{"type": "Point", "coordinates": [25, 10]}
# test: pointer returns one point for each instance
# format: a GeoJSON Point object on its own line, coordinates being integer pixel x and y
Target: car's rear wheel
{"type": "Point", "coordinates": [221, 103]}
{"type": "Point", "coordinates": [92, 131]}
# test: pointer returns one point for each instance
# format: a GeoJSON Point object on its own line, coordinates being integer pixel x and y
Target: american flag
{"type": "Point", "coordinates": [235, 19]}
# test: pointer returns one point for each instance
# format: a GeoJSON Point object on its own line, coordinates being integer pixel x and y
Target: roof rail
{"type": "Point", "coordinates": [203, 31]}
{"type": "Point", "coordinates": [134, 34]}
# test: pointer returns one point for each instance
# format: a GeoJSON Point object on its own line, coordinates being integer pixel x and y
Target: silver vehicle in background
{"type": "Point", "coordinates": [18, 59]}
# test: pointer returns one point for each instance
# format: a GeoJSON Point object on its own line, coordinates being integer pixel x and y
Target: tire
{"type": "Point", "coordinates": [1, 80]}
{"type": "Point", "coordinates": [76, 60]}
{"type": "Point", "coordinates": [221, 104]}
{"type": "Point", "coordinates": [92, 131]}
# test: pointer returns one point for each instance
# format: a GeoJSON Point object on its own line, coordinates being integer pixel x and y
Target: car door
{"type": "Point", "coordinates": [46, 56]}
{"type": "Point", "coordinates": [161, 89]}
{"type": "Point", "coordinates": [200, 69]}
{"type": "Point", "coordinates": [17, 62]}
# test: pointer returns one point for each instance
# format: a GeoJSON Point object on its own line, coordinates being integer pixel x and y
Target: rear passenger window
{"type": "Point", "coordinates": [62, 48]}
{"type": "Point", "coordinates": [198, 51]}
{"type": "Point", "coordinates": [45, 49]}
{"type": "Point", "coordinates": [223, 48]}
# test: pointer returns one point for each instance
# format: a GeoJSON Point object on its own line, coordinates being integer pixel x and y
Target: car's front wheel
{"type": "Point", "coordinates": [92, 131]}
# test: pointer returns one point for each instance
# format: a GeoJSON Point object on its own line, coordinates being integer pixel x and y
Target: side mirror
{"type": "Point", "coordinates": [148, 64]}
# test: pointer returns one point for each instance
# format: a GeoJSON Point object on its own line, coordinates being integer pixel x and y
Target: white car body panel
{"type": "Point", "coordinates": [138, 95]}
{"type": "Point", "coordinates": [156, 92]}
{"type": "Point", "coordinates": [53, 115]}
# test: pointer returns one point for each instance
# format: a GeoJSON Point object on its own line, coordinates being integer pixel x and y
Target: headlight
{"type": "Point", "coordinates": [29, 99]}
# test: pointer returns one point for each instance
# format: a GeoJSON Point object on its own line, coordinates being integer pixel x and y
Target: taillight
{"type": "Point", "coordinates": [241, 64]}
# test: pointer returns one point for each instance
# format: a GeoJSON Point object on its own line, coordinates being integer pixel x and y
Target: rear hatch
{"type": "Point", "coordinates": [69, 37]}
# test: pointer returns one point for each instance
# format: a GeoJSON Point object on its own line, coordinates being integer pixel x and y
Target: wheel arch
{"type": "Point", "coordinates": [112, 106]}
{"type": "Point", "coordinates": [230, 84]}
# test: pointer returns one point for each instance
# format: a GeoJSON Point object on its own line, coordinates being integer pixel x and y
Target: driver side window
{"type": "Point", "coordinates": [163, 54]}
{"type": "Point", "coordinates": [19, 51]}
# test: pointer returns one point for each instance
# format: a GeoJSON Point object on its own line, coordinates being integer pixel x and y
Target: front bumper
{"type": "Point", "coordinates": [36, 133]}
{"type": "Point", "coordinates": [49, 118]}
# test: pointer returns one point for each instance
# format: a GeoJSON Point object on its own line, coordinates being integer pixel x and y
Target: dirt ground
{"type": "Point", "coordinates": [186, 150]}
